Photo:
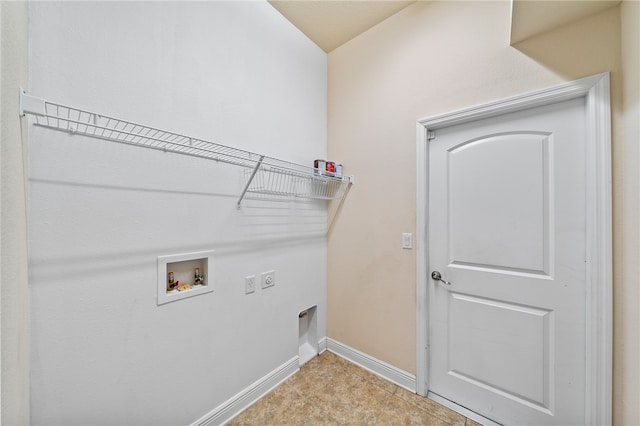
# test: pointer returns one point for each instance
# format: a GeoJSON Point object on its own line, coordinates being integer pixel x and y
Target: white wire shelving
{"type": "Point", "coordinates": [266, 177]}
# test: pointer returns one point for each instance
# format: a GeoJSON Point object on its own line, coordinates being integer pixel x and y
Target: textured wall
{"type": "Point", "coordinates": [14, 409]}
{"type": "Point", "coordinates": [238, 73]}
{"type": "Point", "coordinates": [626, 349]}
{"type": "Point", "coordinates": [431, 58]}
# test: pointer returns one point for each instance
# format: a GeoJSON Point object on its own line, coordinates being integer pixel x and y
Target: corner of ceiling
{"type": "Point", "coordinates": [532, 17]}
{"type": "Point", "coordinates": [331, 23]}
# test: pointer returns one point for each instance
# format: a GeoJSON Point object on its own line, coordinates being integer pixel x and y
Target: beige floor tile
{"type": "Point", "coordinates": [354, 371]}
{"type": "Point", "coordinates": [328, 390]}
{"type": "Point", "coordinates": [332, 359]}
{"type": "Point", "coordinates": [440, 411]}
{"type": "Point", "coordinates": [399, 412]}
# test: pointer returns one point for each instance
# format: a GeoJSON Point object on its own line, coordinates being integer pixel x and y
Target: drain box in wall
{"type": "Point", "coordinates": [184, 275]}
{"type": "Point", "coordinates": [307, 334]}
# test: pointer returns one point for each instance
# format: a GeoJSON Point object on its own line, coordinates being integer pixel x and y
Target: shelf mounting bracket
{"type": "Point", "coordinates": [253, 174]}
{"type": "Point", "coordinates": [31, 104]}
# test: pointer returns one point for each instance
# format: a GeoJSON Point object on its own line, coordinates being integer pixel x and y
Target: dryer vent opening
{"type": "Point", "coordinates": [307, 334]}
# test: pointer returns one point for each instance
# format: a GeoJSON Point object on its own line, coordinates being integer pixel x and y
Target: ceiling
{"type": "Point", "coordinates": [533, 17]}
{"type": "Point", "coordinates": [331, 23]}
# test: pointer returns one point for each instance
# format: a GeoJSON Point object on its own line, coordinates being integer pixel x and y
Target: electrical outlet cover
{"type": "Point", "coordinates": [268, 279]}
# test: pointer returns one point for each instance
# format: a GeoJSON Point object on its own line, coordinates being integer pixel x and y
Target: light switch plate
{"type": "Point", "coordinates": [250, 284]}
{"type": "Point", "coordinates": [407, 241]}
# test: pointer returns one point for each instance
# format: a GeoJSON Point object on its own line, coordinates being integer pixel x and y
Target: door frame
{"type": "Point", "coordinates": [599, 305]}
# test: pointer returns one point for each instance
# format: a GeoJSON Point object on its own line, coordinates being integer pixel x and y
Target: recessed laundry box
{"type": "Point", "coordinates": [184, 275]}
{"type": "Point", "coordinates": [307, 334]}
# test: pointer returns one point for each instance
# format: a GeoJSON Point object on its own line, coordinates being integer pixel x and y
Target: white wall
{"type": "Point", "coordinates": [238, 73]}
{"type": "Point", "coordinates": [14, 409]}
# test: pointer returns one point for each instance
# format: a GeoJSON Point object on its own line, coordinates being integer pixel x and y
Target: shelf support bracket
{"type": "Point", "coordinates": [253, 174]}
{"type": "Point", "coordinates": [31, 104]}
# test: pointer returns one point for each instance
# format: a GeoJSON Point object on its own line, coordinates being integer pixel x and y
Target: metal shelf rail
{"type": "Point", "coordinates": [269, 177]}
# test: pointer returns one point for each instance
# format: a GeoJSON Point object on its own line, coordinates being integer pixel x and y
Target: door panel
{"type": "Point", "coordinates": [515, 236]}
{"type": "Point", "coordinates": [509, 343]}
{"type": "Point", "coordinates": [507, 229]}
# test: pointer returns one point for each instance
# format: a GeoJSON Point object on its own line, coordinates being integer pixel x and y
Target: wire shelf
{"type": "Point", "coordinates": [267, 176]}
{"type": "Point", "coordinates": [281, 183]}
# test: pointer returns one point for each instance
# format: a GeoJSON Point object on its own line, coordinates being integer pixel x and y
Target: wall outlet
{"type": "Point", "coordinates": [268, 279]}
{"type": "Point", "coordinates": [250, 284]}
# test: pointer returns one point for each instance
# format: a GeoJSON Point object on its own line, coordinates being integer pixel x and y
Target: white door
{"type": "Point", "coordinates": [507, 232]}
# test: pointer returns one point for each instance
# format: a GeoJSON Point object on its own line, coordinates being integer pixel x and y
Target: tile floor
{"type": "Point", "coordinates": [329, 390]}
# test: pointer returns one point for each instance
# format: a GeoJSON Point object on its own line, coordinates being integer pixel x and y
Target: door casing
{"type": "Point", "coordinates": [599, 332]}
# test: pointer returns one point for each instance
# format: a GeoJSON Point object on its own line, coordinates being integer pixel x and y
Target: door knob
{"type": "Point", "coordinates": [438, 277]}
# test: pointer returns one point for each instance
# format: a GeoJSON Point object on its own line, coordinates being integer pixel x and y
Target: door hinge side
{"type": "Point", "coordinates": [431, 135]}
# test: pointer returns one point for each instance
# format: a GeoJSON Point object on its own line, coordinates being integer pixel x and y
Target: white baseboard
{"type": "Point", "coordinates": [322, 345]}
{"type": "Point", "coordinates": [377, 367]}
{"type": "Point", "coordinates": [228, 410]}
{"type": "Point", "coordinates": [241, 401]}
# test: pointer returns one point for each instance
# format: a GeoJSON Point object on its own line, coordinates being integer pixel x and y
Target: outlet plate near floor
{"type": "Point", "coordinates": [268, 279]}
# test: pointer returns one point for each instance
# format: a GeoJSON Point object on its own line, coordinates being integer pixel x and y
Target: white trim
{"type": "Point", "coordinates": [422, 260]}
{"type": "Point", "coordinates": [596, 91]}
{"type": "Point", "coordinates": [229, 409]}
{"type": "Point", "coordinates": [374, 365]}
{"type": "Point", "coordinates": [322, 345]}
{"type": "Point", "coordinates": [599, 256]}
{"type": "Point", "coordinates": [555, 94]}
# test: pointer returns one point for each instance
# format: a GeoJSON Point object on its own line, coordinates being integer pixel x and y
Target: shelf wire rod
{"type": "Point", "coordinates": [81, 128]}
{"type": "Point", "coordinates": [165, 144]}
{"type": "Point", "coordinates": [128, 127]}
{"type": "Point", "coordinates": [194, 146]}
{"type": "Point", "coordinates": [154, 138]}
{"type": "Point", "coordinates": [52, 119]}
{"type": "Point", "coordinates": [275, 181]}
{"type": "Point", "coordinates": [86, 126]}
{"type": "Point", "coordinates": [57, 122]}
{"type": "Point", "coordinates": [126, 131]}
{"type": "Point", "coordinates": [112, 130]}
{"type": "Point", "coordinates": [117, 130]}
{"type": "Point", "coordinates": [199, 145]}
{"type": "Point", "coordinates": [68, 122]}
{"type": "Point", "coordinates": [178, 139]}
{"type": "Point", "coordinates": [253, 174]}
{"type": "Point", "coordinates": [105, 128]}
{"type": "Point", "coordinates": [131, 133]}
{"type": "Point", "coordinates": [66, 119]}
{"type": "Point", "coordinates": [137, 138]}
{"type": "Point", "coordinates": [153, 142]}
{"type": "Point", "coordinates": [145, 137]}
{"type": "Point", "coordinates": [181, 141]}
{"type": "Point", "coordinates": [61, 117]}
{"type": "Point", "coordinates": [173, 139]}
{"type": "Point", "coordinates": [157, 139]}
{"type": "Point", "coordinates": [184, 148]}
